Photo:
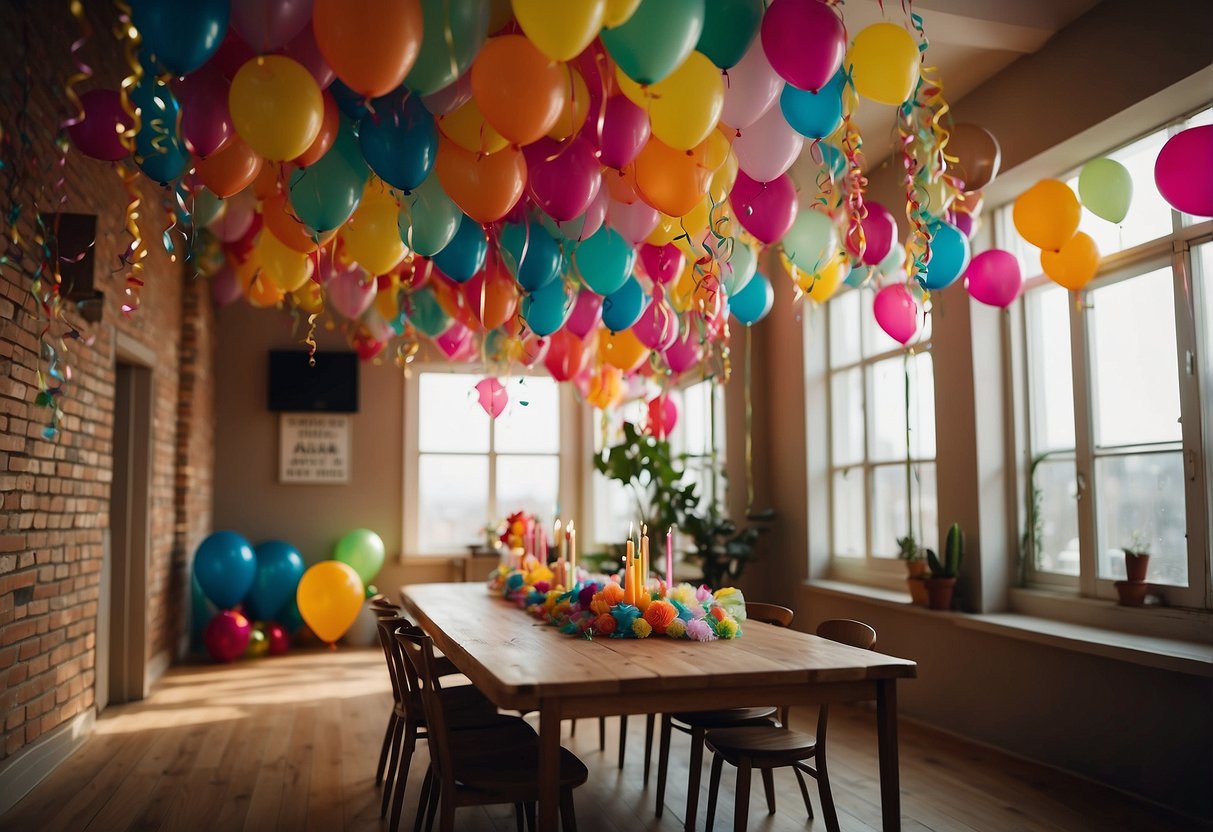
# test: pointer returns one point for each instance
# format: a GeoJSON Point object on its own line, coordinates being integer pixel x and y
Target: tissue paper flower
{"type": "Point", "coordinates": [700, 630]}
{"type": "Point", "coordinates": [660, 614]}
{"type": "Point", "coordinates": [642, 628]}
{"type": "Point", "coordinates": [676, 628]}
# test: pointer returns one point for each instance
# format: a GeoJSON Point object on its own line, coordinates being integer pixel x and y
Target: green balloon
{"type": "Point", "coordinates": [1106, 189]}
{"type": "Point", "coordinates": [656, 39]}
{"type": "Point", "coordinates": [741, 268]}
{"type": "Point", "coordinates": [362, 551]}
{"type": "Point", "coordinates": [206, 207]}
{"type": "Point", "coordinates": [433, 218]}
{"type": "Point", "coordinates": [466, 24]}
{"type": "Point", "coordinates": [729, 30]}
{"type": "Point", "coordinates": [426, 313]}
{"type": "Point", "coordinates": [325, 194]}
{"type": "Point", "coordinates": [811, 240]}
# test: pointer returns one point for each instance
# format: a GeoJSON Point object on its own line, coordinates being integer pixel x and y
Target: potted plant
{"type": "Point", "coordinates": [942, 582]}
{"type": "Point", "coordinates": [1132, 591]}
{"type": "Point", "coordinates": [916, 568]}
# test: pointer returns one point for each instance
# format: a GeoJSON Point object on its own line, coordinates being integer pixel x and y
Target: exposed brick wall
{"type": "Point", "coordinates": [55, 495]}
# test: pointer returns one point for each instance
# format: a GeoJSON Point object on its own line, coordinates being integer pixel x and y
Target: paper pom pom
{"type": "Point", "coordinates": [612, 593]}
{"type": "Point", "coordinates": [625, 615]}
{"type": "Point", "coordinates": [600, 605]}
{"type": "Point", "coordinates": [702, 594]}
{"type": "Point", "coordinates": [542, 586]}
{"type": "Point", "coordinates": [700, 630]}
{"type": "Point", "coordinates": [604, 624]}
{"type": "Point", "coordinates": [586, 595]}
{"type": "Point", "coordinates": [684, 594]}
{"type": "Point", "coordinates": [642, 603]}
{"type": "Point", "coordinates": [515, 582]}
{"type": "Point", "coordinates": [718, 613]}
{"type": "Point", "coordinates": [660, 614]}
{"type": "Point", "coordinates": [676, 628]}
{"type": "Point", "coordinates": [728, 628]}
{"type": "Point", "coordinates": [733, 602]}
{"type": "Point", "coordinates": [642, 628]}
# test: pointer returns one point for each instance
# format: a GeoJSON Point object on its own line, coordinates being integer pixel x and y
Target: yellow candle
{"type": "Point", "coordinates": [629, 580]}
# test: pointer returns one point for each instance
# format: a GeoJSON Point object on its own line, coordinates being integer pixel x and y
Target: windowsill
{"type": "Point", "coordinates": [1189, 656]}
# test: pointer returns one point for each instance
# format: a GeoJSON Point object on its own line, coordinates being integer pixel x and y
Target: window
{"type": "Point", "coordinates": [1113, 399]}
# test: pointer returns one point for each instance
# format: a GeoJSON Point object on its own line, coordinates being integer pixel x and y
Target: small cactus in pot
{"type": "Point", "coordinates": [942, 582]}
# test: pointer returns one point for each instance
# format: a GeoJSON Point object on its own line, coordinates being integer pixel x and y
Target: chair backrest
{"type": "Point", "coordinates": [402, 676]}
{"type": "Point", "coordinates": [381, 601]}
{"type": "Point", "coordinates": [418, 651]}
{"type": "Point", "coordinates": [848, 631]}
{"type": "Point", "coordinates": [768, 613]}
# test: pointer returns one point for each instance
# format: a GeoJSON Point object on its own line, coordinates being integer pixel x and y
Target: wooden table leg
{"type": "Point", "coordinates": [886, 732]}
{"type": "Point", "coordinates": [549, 764]}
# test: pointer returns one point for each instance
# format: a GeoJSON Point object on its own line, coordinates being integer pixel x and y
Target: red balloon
{"type": "Point", "coordinates": [227, 635]}
{"type": "Point", "coordinates": [279, 639]}
{"type": "Point", "coordinates": [662, 263]}
{"type": "Point", "coordinates": [567, 355]}
{"type": "Point", "coordinates": [804, 41]}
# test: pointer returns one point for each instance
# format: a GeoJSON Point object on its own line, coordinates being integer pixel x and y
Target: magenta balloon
{"type": "Point", "coordinates": [206, 124]}
{"type": "Point", "coordinates": [625, 129]}
{"type": "Point", "coordinates": [232, 54]}
{"type": "Point", "coordinates": [635, 222]}
{"type": "Point", "coordinates": [896, 312]}
{"type": "Point", "coordinates": [964, 223]}
{"type": "Point", "coordinates": [563, 179]}
{"type": "Point", "coordinates": [225, 288]}
{"type": "Point", "coordinates": [993, 277]}
{"type": "Point", "coordinates": [657, 327]}
{"type": "Point", "coordinates": [768, 147]}
{"type": "Point", "coordinates": [303, 49]}
{"type": "Point", "coordinates": [97, 135]}
{"type": "Point", "coordinates": [1183, 171]}
{"type": "Point", "coordinates": [751, 88]}
{"type": "Point", "coordinates": [267, 25]}
{"type": "Point", "coordinates": [804, 40]}
{"type": "Point", "coordinates": [765, 209]}
{"type": "Point", "coordinates": [279, 639]}
{"type": "Point", "coordinates": [879, 234]}
{"type": "Point", "coordinates": [454, 340]}
{"type": "Point", "coordinates": [350, 293]}
{"type": "Point", "coordinates": [226, 636]}
{"type": "Point", "coordinates": [685, 352]}
{"type": "Point", "coordinates": [451, 97]}
{"type": "Point", "coordinates": [586, 314]}
{"type": "Point", "coordinates": [662, 263]}
{"type": "Point", "coordinates": [583, 227]}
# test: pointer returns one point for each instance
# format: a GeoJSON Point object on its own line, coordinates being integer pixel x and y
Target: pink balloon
{"type": "Point", "coordinates": [235, 221]}
{"type": "Point", "coordinates": [658, 325]}
{"type": "Point", "coordinates": [493, 396]}
{"type": "Point", "coordinates": [206, 124]}
{"type": "Point", "coordinates": [226, 636]}
{"type": "Point", "coordinates": [765, 209]}
{"type": "Point", "coordinates": [685, 352]}
{"type": "Point", "coordinates": [451, 97]}
{"type": "Point", "coordinates": [964, 223]}
{"type": "Point", "coordinates": [329, 266]}
{"type": "Point", "coordinates": [579, 228]}
{"type": "Point", "coordinates": [563, 179]}
{"type": "Point", "coordinates": [662, 263]}
{"type": "Point", "coordinates": [896, 312]}
{"type": "Point", "coordinates": [267, 25]}
{"type": "Point", "coordinates": [751, 88]}
{"type": "Point", "coordinates": [97, 135]}
{"type": "Point", "coordinates": [1183, 171]}
{"type": "Point", "coordinates": [350, 293]}
{"type": "Point", "coordinates": [225, 288]}
{"type": "Point", "coordinates": [534, 348]}
{"type": "Point", "coordinates": [279, 639]}
{"type": "Point", "coordinates": [625, 129]}
{"type": "Point", "coordinates": [454, 341]}
{"type": "Point", "coordinates": [768, 147]}
{"type": "Point", "coordinates": [634, 222]}
{"type": "Point", "coordinates": [586, 314]}
{"type": "Point", "coordinates": [804, 40]}
{"type": "Point", "coordinates": [303, 49]}
{"type": "Point", "coordinates": [879, 234]}
{"type": "Point", "coordinates": [663, 416]}
{"type": "Point", "coordinates": [993, 277]}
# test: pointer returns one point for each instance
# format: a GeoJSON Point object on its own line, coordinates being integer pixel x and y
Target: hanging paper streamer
{"type": "Point", "coordinates": [136, 251]}
{"type": "Point", "coordinates": [855, 183]}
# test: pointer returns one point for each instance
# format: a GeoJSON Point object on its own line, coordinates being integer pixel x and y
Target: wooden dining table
{"type": "Point", "coordinates": [521, 663]}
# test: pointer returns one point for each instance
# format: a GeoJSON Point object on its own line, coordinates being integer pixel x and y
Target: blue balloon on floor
{"type": "Point", "coordinates": [225, 567]}
{"type": "Point", "coordinates": [279, 568]}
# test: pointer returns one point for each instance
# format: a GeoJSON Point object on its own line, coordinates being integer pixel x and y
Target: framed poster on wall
{"type": "Point", "coordinates": [314, 448]}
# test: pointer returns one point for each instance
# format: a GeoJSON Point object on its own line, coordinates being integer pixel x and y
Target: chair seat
{"type": "Point", "coordinates": [466, 707]}
{"type": "Point", "coordinates": [491, 766]}
{"type": "Point", "coordinates": [726, 717]}
{"type": "Point", "coordinates": [763, 746]}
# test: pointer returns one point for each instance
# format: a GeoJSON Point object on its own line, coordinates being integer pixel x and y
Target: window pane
{"type": "Point", "coordinates": [530, 423]}
{"type": "Point", "coordinates": [1133, 356]}
{"type": "Point", "coordinates": [613, 508]}
{"type": "Point", "coordinates": [1202, 256]}
{"type": "Point", "coordinates": [453, 501]}
{"type": "Point", "coordinates": [844, 311]}
{"type": "Point", "coordinates": [887, 411]}
{"type": "Point", "coordinates": [846, 418]}
{"type": "Point", "coordinates": [695, 421]}
{"type": "Point", "coordinates": [1056, 532]}
{"type": "Point", "coordinates": [528, 483]}
{"type": "Point", "coordinates": [1142, 496]}
{"type": "Point", "coordinates": [922, 406]}
{"type": "Point", "coordinates": [848, 499]}
{"type": "Point", "coordinates": [449, 417]}
{"type": "Point", "coordinates": [1051, 379]}
{"type": "Point", "coordinates": [889, 520]}
{"type": "Point", "coordinates": [1149, 214]}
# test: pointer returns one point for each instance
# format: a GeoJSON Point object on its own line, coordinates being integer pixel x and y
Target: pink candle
{"type": "Point", "coordinates": [669, 559]}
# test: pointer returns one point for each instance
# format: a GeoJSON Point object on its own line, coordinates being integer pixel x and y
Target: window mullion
{"type": "Point", "coordinates": [1084, 450]}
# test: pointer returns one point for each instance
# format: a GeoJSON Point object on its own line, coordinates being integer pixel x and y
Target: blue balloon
{"type": "Point", "coordinates": [949, 255]}
{"type": "Point", "coordinates": [426, 313]}
{"type": "Point", "coordinates": [534, 257]}
{"type": "Point", "coordinates": [201, 612]}
{"type": "Point", "coordinates": [325, 194]}
{"type": "Point", "coordinates": [857, 276]}
{"type": "Point", "coordinates": [814, 114]}
{"type": "Point", "coordinates": [289, 617]}
{"type": "Point", "coordinates": [399, 141]}
{"type": "Point", "coordinates": [605, 260]}
{"type": "Point", "coordinates": [754, 301]}
{"type": "Point", "coordinates": [279, 568]}
{"type": "Point", "coordinates": [351, 104]}
{"type": "Point", "coordinates": [159, 151]}
{"type": "Point", "coordinates": [182, 36]}
{"type": "Point", "coordinates": [546, 309]}
{"type": "Point", "coordinates": [464, 255]}
{"type": "Point", "coordinates": [834, 160]}
{"type": "Point", "coordinates": [225, 567]}
{"type": "Point", "coordinates": [622, 308]}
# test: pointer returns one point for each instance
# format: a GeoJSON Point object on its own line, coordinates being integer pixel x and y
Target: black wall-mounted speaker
{"type": "Point", "coordinates": [329, 387]}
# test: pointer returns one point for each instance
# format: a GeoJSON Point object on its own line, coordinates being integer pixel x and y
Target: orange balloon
{"type": "Point", "coordinates": [256, 285]}
{"type": "Point", "coordinates": [327, 135]}
{"type": "Point", "coordinates": [268, 181]}
{"type": "Point", "coordinates": [575, 107]}
{"type": "Point", "coordinates": [622, 350]}
{"type": "Point", "coordinates": [1076, 263]}
{"type": "Point", "coordinates": [1047, 214]}
{"type": "Point", "coordinates": [606, 387]}
{"type": "Point", "coordinates": [370, 44]}
{"type": "Point", "coordinates": [289, 229]}
{"type": "Point", "coordinates": [621, 185]}
{"type": "Point", "coordinates": [519, 90]}
{"type": "Point", "coordinates": [673, 181]}
{"type": "Point", "coordinates": [231, 170]}
{"type": "Point", "coordinates": [495, 299]}
{"type": "Point", "coordinates": [484, 187]}
{"type": "Point", "coordinates": [466, 127]}
{"type": "Point", "coordinates": [453, 302]}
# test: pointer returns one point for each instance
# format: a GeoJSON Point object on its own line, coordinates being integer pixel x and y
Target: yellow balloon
{"type": "Point", "coordinates": [724, 177]}
{"type": "Point", "coordinates": [255, 284]}
{"type": "Point", "coordinates": [276, 107]}
{"type": "Point", "coordinates": [619, 12]}
{"type": "Point", "coordinates": [884, 58]}
{"type": "Point", "coordinates": [561, 31]}
{"type": "Point", "coordinates": [822, 286]}
{"type": "Point", "coordinates": [467, 128]}
{"type": "Point", "coordinates": [309, 298]}
{"type": "Point", "coordinates": [372, 236]}
{"type": "Point", "coordinates": [683, 108]}
{"type": "Point", "coordinates": [1076, 263]}
{"type": "Point", "coordinates": [286, 267]}
{"type": "Point", "coordinates": [387, 302]}
{"type": "Point", "coordinates": [606, 387]}
{"type": "Point", "coordinates": [576, 107]}
{"type": "Point", "coordinates": [664, 232]}
{"type": "Point", "coordinates": [681, 292]}
{"type": "Point", "coordinates": [330, 596]}
{"type": "Point", "coordinates": [936, 196]}
{"type": "Point", "coordinates": [1047, 214]}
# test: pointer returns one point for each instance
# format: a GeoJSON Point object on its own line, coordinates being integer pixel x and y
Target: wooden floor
{"type": "Point", "coordinates": [291, 743]}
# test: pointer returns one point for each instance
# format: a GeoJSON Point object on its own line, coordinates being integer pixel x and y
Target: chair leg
{"type": "Point", "coordinates": [823, 789]}
{"type": "Point", "coordinates": [663, 760]}
{"type": "Point", "coordinates": [741, 806]}
{"type": "Point", "coordinates": [423, 800]}
{"type": "Point", "coordinates": [431, 811]}
{"type": "Point", "coordinates": [695, 774]}
{"type": "Point", "coordinates": [804, 791]}
{"type": "Point", "coordinates": [402, 771]}
{"type": "Point", "coordinates": [602, 733]}
{"type": "Point", "coordinates": [393, 761]}
{"type": "Point", "coordinates": [623, 738]}
{"type": "Point", "coordinates": [568, 816]}
{"type": "Point", "coordinates": [649, 721]}
{"type": "Point", "coordinates": [387, 744]}
{"type": "Point", "coordinates": [519, 821]}
{"type": "Point", "coordinates": [768, 785]}
{"type": "Point", "coordinates": [529, 808]}
{"type": "Point", "coordinates": [573, 728]}
{"type": "Point", "coordinates": [713, 789]}
{"type": "Point", "coordinates": [447, 822]}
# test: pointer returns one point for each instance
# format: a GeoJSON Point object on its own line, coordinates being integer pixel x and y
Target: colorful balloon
{"type": "Point", "coordinates": [567, 354]}
{"type": "Point", "coordinates": [662, 263]}
{"type": "Point", "coordinates": [804, 41]}
{"type": "Point", "coordinates": [685, 106]}
{"type": "Point", "coordinates": [371, 236]}
{"type": "Point", "coordinates": [362, 550]}
{"type": "Point", "coordinates": [765, 209]}
{"type": "Point", "coordinates": [563, 179]}
{"type": "Point", "coordinates": [767, 148]}
{"type": "Point", "coordinates": [560, 30]}
{"type": "Point", "coordinates": [276, 107]}
{"type": "Point", "coordinates": [485, 187]}
{"type": "Point", "coordinates": [268, 25]}
{"type": "Point", "coordinates": [949, 255]}
{"type": "Point", "coordinates": [449, 43]}
{"type": "Point", "coordinates": [993, 278]}
{"type": "Point", "coordinates": [227, 636]}
{"type": "Point", "coordinates": [399, 142]}
{"type": "Point", "coordinates": [546, 309]}
{"type": "Point", "coordinates": [231, 170]}
{"type": "Point", "coordinates": [896, 312]}
{"type": "Point", "coordinates": [656, 39]}
{"type": "Point", "coordinates": [225, 567]}
{"type": "Point", "coordinates": [977, 153]}
{"type": "Point", "coordinates": [586, 314]}
{"type": "Point", "coordinates": [303, 49]}
{"type": "Point", "coordinates": [879, 233]}
{"type": "Point", "coordinates": [464, 255]}
{"type": "Point", "coordinates": [811, 241]}
{"type": "Point", "coordinates": [728, 30]}
{"type": "Point", "coordinates": [279, 568]}
{"type": "Point", "coordinates": [206, 124]}
{"type": "Point", "coordinates": [625, 129]}
{"type": "Point", "coordinates": [371, 44]}
{"type": "Point", "coordinates": [754, 301]}
{"type": "Point", "coordinates": [752, 89]}
{"type": "Point", "coordinates": [330, 596]}
{"type": "Point", "coordinates": [622, 308]}
{"type": "Point", "coordinates": [1183, 171]}
{"type": "Point", "coordinates": [1075, 265]}
{"type": "Point", "coordinates": [884, 63]}
{"type": "Point", "coordinates": [605, 261]}
{"type": "Point", "coordinates": [1047, 214]}
{"type": "Point", "coordinates": [519, 91]}
{"type": "Point", "coordinates": [350, 293]}
{"type": "Point", "coordinates": [531, 254]}
{"type": "Point", "coordinates": [814, 115]}
{"type": "Point", "coordinates": [182, 37]}
{"type": "Point", "coordinates": [159, 150]}
{"type": "Point", "coordinates": [428, 219]}
{"type": "Point", "coordinates": [97, 135]}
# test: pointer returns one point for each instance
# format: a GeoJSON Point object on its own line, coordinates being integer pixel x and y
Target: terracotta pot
{"type": "Point", "coordinates": [1136, 567]}
{"type": "Point", "coordinates": [939, 592]}
{"type": "Point", "coordinates": [1132, 593]}
{"type": "Point", "coordinates": [918, 591]}
{"type": "Point", "coordinates": [916, 568]}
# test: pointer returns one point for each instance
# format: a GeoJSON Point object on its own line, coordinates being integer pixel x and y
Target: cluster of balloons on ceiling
{"type": "Point", "coordinates": [588, 184]}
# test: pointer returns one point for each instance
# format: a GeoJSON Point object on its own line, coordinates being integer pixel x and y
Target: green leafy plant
{"type": "Point", "coordinates": [954, 550]}
{"type": "Point", "coordinates": [907, 548]}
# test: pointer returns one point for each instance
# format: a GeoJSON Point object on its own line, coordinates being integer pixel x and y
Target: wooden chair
{"type": "Point", "coordinates": [768, 748]}
{"type": "Point", "coordinates": [480, 767]}
{"type": "Point", "coordinates": [698, 723]}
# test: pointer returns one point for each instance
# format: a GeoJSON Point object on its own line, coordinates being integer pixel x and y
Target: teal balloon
{"type": "Point", "coordinates": [605, 260]}
{"type": "Point", "coordinates": [546, 309]}
{"type": "Point", "coordinates": [201, 612]}
{"type": "Point", "coordinates": [225, 568]}
{"type": "Point", "coordinates": [464, 255]}
{"type": "Point", "coordinates": [205, 208]}
{"type": "Point", "coordinates": [325, 194]}
{"type": "Point", "coordinates": [656, 39]}
{"type": "Point", "coordinates": [622, 308]}
{"type": "Point", "coordinates": [740, 270]}
{"type": "Point", "coordinates": [833, 159]}
{"type": "Point", "coordinates": [279, 568]}
{"type": "Point", "coordinates": [351, 104]}
{"type": "Point", "coordinates": [182, 36]}
{"type": "Point", "coordinates": [426, 314]}
{"type": "Point", "coordinates": [857, 276]}
{"type": "Point", "coordinates": [159, 151]}
{"type": "Point", "coordinates": [728, 30]}
{"type": "Point", "coordinates": [289, 617]}
{"type": "Point", "coordinates": [751, 304]}
{"type": "Point", "coordinates": [531, 255]}
{"type": "Point", "coordinates": [1106, 189]}
{"type": "Point", "coordinates": [362, 550]}
{"type": "Point", "coordinates": [431, 219]}
{"type": "Point", "coordinates": [949, 255]}
{"type": "Point", "coordinates": [811, 240]}
{"type": "Point", "coordinates": [450, 40]}
{"type": "Point", "coordinates": [814, 115]}
{"type": "Point", "coordinates": [399, 141]}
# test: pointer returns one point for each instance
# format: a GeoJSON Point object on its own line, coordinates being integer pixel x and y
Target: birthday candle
{"type": "Point", "coordinates": [629, 582]}
{"type": "Point", "coordinates": [573, 550]}
{"type": "Point", "coordinates": [558, 539]}
{"type": "Point", "coordinates": [644, 558]}
{"type": "Point", "coordinates": [669, 559]}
